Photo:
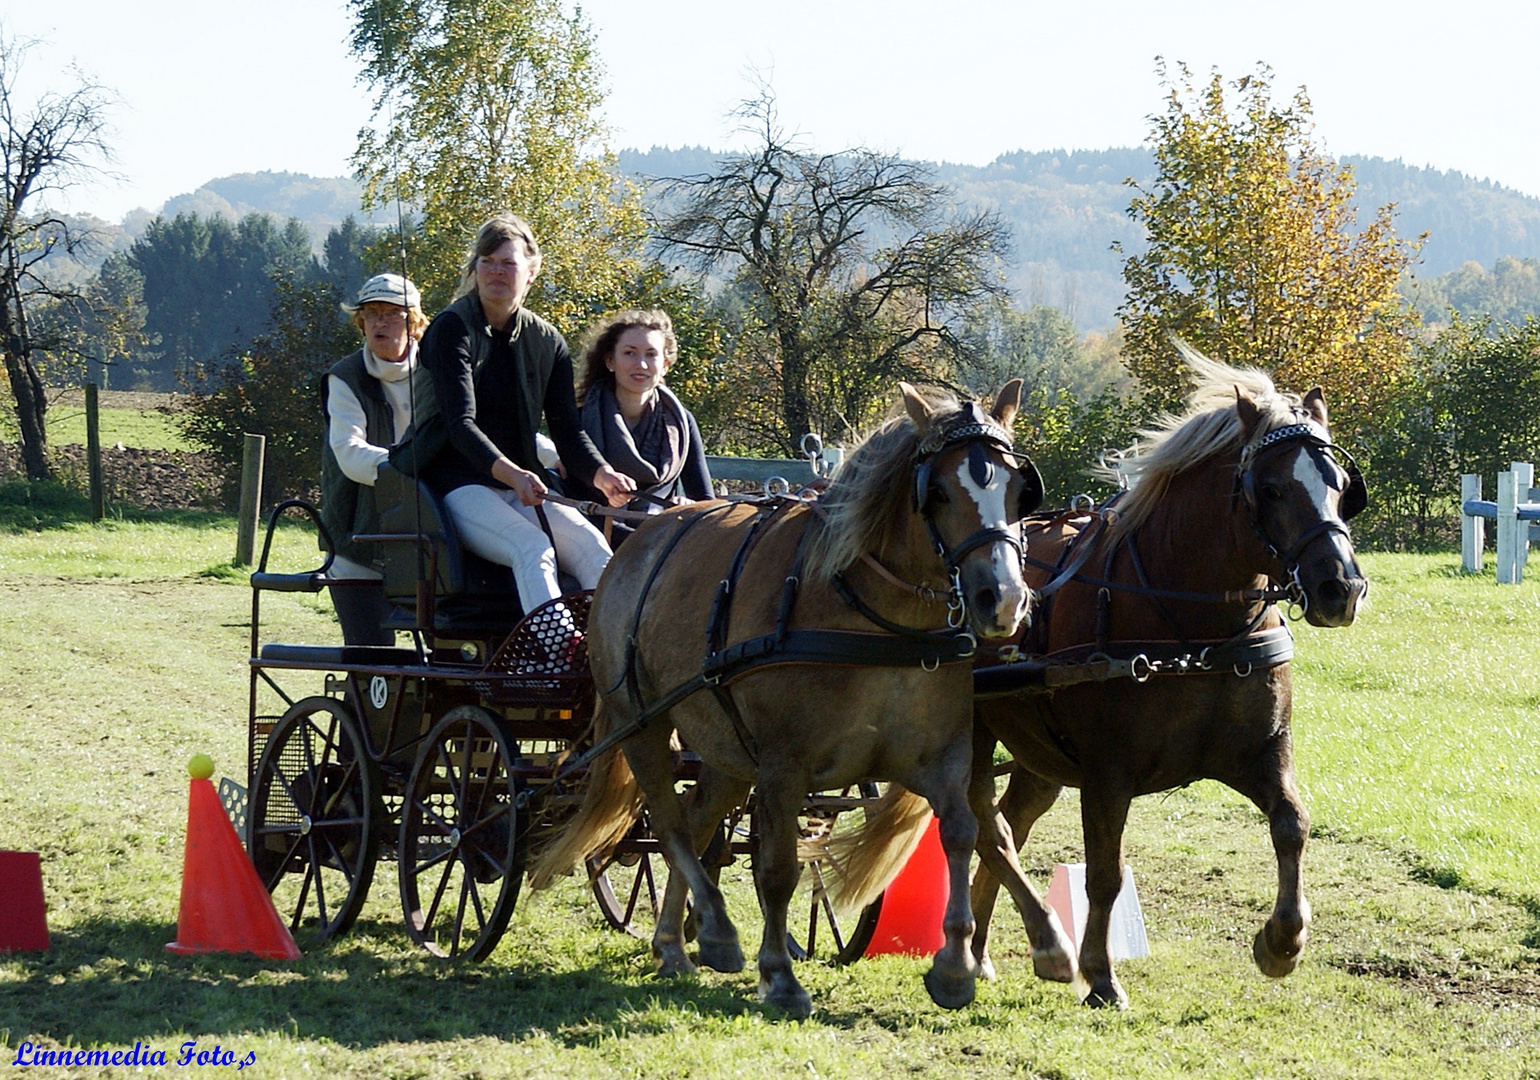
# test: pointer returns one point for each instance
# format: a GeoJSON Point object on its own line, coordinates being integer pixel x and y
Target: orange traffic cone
{"type": "Point", "coordinates": [23, 922]}
{"type": "Point", "coordinates": [909, 921]}
{"type": "Point", "coordinates": [224, 906]}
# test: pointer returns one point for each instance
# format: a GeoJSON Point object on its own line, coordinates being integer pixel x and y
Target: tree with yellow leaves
{"type": "Point", "coordinates": [1255, 256]}
{"type": "Point", "coordinates": [486, 106]}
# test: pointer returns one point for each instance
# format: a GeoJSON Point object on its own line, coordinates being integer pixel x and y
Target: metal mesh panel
{"type": "Point", "coordinates": [548, 641]}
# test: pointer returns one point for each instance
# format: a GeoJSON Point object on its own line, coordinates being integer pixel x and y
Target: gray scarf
{"type": "Point", "coordinates": [652, 455]}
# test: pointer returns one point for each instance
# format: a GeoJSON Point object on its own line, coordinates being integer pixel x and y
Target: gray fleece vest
{"type": "Point", "coordinates": [347, 508]}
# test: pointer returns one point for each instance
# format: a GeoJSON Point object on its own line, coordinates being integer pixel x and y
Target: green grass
{"type": "Point", "coordinates": [122, 652]}
{"type": "Point", "coordinates": [1417, 726]}
{"type": "Point", "coordinates": [142, 429]}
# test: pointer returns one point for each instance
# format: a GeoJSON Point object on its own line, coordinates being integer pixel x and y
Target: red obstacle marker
{"type": "Point", "coordinates": [909, 922]}
{"type": "Point", "coordinates": [224, 906]}
{"type": "Point", "coordinates": [23, 921]}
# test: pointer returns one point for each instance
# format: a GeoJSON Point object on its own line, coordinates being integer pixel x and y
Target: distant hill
{"type": "Point", "coordinates": [1066, 208]}
{"type": "Point", "coordinates": [320, 202]}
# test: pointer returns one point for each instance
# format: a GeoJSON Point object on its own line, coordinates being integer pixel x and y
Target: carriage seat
{"type": "Point", "coordinates": [322, 656]}
{"type": "Point", "coordinates": [471, 595]}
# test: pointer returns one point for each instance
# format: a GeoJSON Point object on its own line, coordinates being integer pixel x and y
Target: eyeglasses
{"type": "Point", "coordinates": [385, 315]}
{"type": "Point", "coordinates": [497, 266]}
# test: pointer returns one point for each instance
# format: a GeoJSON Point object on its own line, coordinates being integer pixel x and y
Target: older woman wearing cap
{"type": "Point", "coordinates": [367, 400]}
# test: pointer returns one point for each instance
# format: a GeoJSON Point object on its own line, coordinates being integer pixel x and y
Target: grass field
{"type": "Point", "coordinates": [141, 428]}
{"type": "Point", "coordinates": [122, 651]}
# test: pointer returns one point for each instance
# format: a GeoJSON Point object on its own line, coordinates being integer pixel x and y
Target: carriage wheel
{"type": "Point", "coordinates": [825, 935]}
{"type": "Point", "coordinates": [315, 811]}
{"type": "Point", "coordinates": [461, 853]}
{"type": "Point", "coordinates": [628, 885]}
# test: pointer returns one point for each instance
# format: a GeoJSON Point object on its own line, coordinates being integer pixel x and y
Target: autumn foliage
{"type": "Point", "coordinates": [1256, 255]}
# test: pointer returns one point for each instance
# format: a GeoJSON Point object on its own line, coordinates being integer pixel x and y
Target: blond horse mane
{"type": "Point", "coordinates": [1209, 427]}
{"type": "Point", "coordinates": [871, 491]}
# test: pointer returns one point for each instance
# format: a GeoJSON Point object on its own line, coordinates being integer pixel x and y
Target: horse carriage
{"type": "Point", "coordinates": [451, 756]}
{"type": "Point", "coordinates": [834, 658]}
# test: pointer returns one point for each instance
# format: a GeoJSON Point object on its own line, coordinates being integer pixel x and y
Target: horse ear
{"type": "Point", "coordinates": [915, 406]}
{"type": "Point", "coordinates": [1315, 405]}
{"type": "Point", "coordinates": [1249, 413]}
{"type": "Point", "coordinates": [1007, 404]}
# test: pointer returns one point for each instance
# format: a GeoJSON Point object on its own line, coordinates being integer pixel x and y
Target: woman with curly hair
{"type": "Point", "coordinates": [633, 419]}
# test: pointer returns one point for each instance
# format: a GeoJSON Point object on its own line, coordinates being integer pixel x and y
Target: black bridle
{"type": "Point", "coordinates": [1317, 443]}
{"type": "Point", "coordinates": [973, 428]}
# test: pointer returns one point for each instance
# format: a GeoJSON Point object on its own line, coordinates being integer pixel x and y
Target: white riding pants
{"type": "Point", "coordinates": [499, 528]}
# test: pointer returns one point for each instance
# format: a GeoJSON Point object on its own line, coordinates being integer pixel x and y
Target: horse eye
{"type": "Point", "coordinates": [938, 495]}
{"type": "Point", "coordinates": [1272, 492]}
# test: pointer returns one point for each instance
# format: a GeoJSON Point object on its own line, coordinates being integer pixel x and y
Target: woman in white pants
{"type": "Point", "coordinates": [497, 370]}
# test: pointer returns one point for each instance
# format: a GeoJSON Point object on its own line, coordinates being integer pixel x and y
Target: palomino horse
{"type": "Point", "coordinates": [832, 654]}
{"type": "Point", "coordinates": [1170, 587]}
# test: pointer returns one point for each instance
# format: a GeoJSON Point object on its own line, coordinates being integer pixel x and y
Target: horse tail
{"type": "Point", "coordinates": [867, 860]}
{"type": "Point", "coordinates": [612, 801]}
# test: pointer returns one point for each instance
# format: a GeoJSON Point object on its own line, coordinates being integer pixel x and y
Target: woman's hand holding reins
{"type": "Point", "coordinates": [616, 487]}
{"type": "Point", "coordinates": [530, 489]}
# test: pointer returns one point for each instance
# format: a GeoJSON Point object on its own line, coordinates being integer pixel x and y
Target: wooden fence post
{"type": "Point", "coordinates": [94, 454]}
{"type": "Point", "coordinates": [251, 499]}
{"type": "Point", "coordinates": [1507, 527]}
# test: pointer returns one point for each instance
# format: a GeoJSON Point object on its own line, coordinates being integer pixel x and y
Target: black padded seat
{"type": "Point", "coordinates": [320, 656]}
{"type": "Point", "coordinates": [472, 596]}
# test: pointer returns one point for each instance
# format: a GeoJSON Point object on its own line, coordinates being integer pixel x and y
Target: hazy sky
{"type": "Point", "coordinates": [208, 89]}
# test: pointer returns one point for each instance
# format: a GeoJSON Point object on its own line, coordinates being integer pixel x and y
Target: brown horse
{"type": "Point", "coordinates": [871, 678]}
{"type": "Point", "coordinates": [1172, 586]}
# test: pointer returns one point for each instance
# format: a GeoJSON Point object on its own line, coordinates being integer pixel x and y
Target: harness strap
{"type": "Point", "coordinates": [1135, 659]}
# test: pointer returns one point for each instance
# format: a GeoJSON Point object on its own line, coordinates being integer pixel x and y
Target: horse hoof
{"type": "Point", "coordinates": [1273, 964]}
{"type": "Point", "coordinates": [949, 991]}
{"type": "Point", "coordinates": [1106, 996]}
{"type": "Point", "coordinates": [795, 1003]}
{"type": "Point", "coordinates": [1054, 965]}
{"type": "Point", "coordinates": [674, 967]}
{"type": "Point", "coordinates": [986, 968]}
{"type": "Point", "coordinates": [723, 956]}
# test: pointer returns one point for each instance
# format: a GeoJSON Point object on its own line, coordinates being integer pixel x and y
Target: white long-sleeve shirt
{"type": "Point", "coordinates": [347, 427]}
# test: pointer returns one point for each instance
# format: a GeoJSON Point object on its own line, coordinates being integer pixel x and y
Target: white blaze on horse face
{"type": "Point", "coordinates": [991, 499]}
{"type": "Point", "coordinates": [1011, 593]}
{"type": "Point", "coordinates": [1307, 473]}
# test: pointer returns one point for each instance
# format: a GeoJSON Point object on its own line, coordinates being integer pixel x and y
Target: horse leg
{"type": "Point", "coordinates": [952, 975]}
{"type": "Point", "coordinates": [1278, 944]}
{"type": "Point", "coordinates": [1027, 798]}
{"type": "Point", "coordinates": [1103, 813]}
{"type": "Point", "coordinates": [713, 797]}
{"type": "Point", "coordinates": [776, 870]}
{"type": "Point", "coordinates": [652, 762]}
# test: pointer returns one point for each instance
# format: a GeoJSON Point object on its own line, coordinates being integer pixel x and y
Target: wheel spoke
{"type": "Point", "coordinates": [467, 884]}
{"type": "Point", "coordinates": [462, 792]}
{"type": "Point", "coordinates": [320, 886]}
{"type": "Point", "coordinates": [438, 893]}
{"type": "Point", "coordinates": [342, 863]}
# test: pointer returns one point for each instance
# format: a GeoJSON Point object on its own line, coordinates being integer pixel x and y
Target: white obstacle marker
{"type": "Point", "coordinates": [1126, 939]}
{"type": "Point", "coordinates": [1515, 511]}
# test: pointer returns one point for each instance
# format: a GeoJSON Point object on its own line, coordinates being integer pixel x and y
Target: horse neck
{"type": "Point", "coordinates": [1197, 539]}
{"type": "Point", "coordinates": [908, 554]}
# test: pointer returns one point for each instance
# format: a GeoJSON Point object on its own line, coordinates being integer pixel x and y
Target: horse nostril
{"type": "Point", "coordinates": [986, 599]}
{"type": "Point", "coordinates": [1333, 591]}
